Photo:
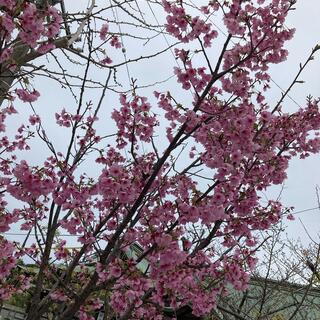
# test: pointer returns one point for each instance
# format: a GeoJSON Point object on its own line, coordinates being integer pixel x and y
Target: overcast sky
{"type": "Point", "coordinates": [303, 176]}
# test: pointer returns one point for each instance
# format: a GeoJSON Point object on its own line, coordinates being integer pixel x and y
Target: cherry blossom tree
{"type": "Point", "coordinates": [180, 175]}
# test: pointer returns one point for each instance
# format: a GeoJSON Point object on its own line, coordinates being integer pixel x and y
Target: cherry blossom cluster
{"type": "Point", "coordinates": [21, 189]}
{"type": "Point", "coordinates": [34, 24]}
{"type": "Point", "coordinates": [187, 28]}
{"type": "Point", "coordinates": [26, 96]}
{"type": "Point", "coordinates": [36, 28]}
{"type": "Point", "coordinates": [134, 120]}
{"type": "Point", "coordinates": [113, 40]}
{"type": "Point", "coordinates": [196, 78]}
{"type": "Point", "coordinates": [8, 261]}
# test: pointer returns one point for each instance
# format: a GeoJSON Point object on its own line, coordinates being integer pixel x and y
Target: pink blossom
{"type": "Point", "coordinates": [104, 31]}
{"type": "Point", "coordinates": [8, 3]}
{"type": "Point", "coordinates": [34, 119]}
{"type": "Point", "coordinates": [106, 60]}
{"type": "Point", "coordinates": [59, 295]}
{"type": "Point", "coordinates": [115, 271]}
{"type": "Point", "coordinates": [53, 27]}
{"type": "Point", "coordinates": [45, 47]}
{"type": "Point", "coordinates": [290, 217]}
{"type": "Point", "coordinates": [27, 96]}
{"type": "Point", "coordinates": [115, 42]}
{"type": "Point", "coordinates": [7, 26]}
{"type": "Point", "coordinates": [32, 25]}
{"type": "Point", "coordinates": [6, 54]}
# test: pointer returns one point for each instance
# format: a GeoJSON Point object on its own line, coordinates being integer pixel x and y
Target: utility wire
{"type": "Point", "coordinates": [33, 234]}
{"type": "Point", "coordinates": [73, 235]}
{"type": "Point", "coordinates": [305, 210]}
